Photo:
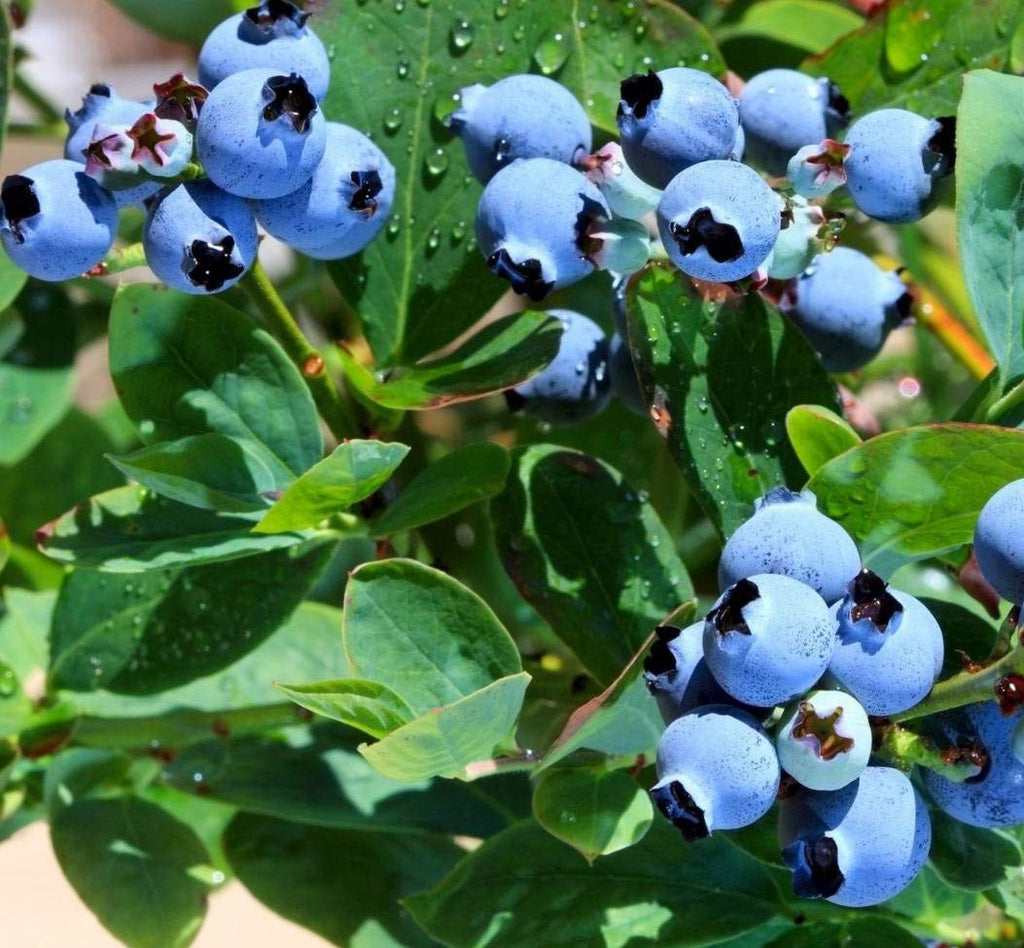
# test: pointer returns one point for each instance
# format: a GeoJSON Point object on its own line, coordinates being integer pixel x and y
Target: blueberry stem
{"type": "Point", "coordinates": [903, 748]}
{"type": "Point", "coordinates": [119, 260]}
{"type": "Point", "coordinates": [1012, 399]}
{"type": "Point", "coordinates": [334, 408]}
{"type": "Point", "coordinates": [966, 687]}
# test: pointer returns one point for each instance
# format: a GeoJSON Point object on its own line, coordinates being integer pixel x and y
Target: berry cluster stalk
{"type": "Point", "coordinates": [334, 409]}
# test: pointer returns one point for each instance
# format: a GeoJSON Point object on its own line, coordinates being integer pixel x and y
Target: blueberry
{"type": "Point", "coordinates": [801, 239]}
{"type": "Point", "coordinates": [768, 639]}
{"type": "Point", "coordinates": [717, 770]}
{"type": "Point", "coordinates": [118, 154]}
{"type": "Point", "coordinates": [719, 221]}
{"type": "Point", "coordinates": [534, 225]}
{"type": "Point", "coordinates": [787, 535]}
{"type": "Point", "coordinates": [997, 544]}
{"type": "Point", "coordinates": [673, 119]}
{"type": "Point", "coordinates": [575, 385]}
{"type": "Point", "coordinates": [626, 194]}
{"type": "Point", "coordinates": [815, 171]}
{"type": "Point", "coordinates": [342, 207]}
{"type": "Point", "coordinates": [625, 383]}
{"type": "Point", "coordinates": [739, 145]}
{"type": "Point", "coordinates": [199, 239]}
{"type": "Point", "coordinates": [55, 221]}
{"type": "Point", "coordinates": [261, 134]}
{"type": "Point", "coordinates": [897, 162]}
{"type": "Point", "coordinates": [677, 675]}
{"type": "Point", "coordinates": [994, 796]}
{"type": "Point", "coordinates": [521, 116]}
{"type": "Point", "coordinates": [859, 845]}
{"type": "Point", "coordinates": [824, 740]}
{"type": "Point", "coordinates": [889, 647]}
{"type": "Point", "coordinates": [782, 110]}
{"type": "Point", "coordinates": [847, 305]}
{"type": "Point", "coordinates": [271, 35]}
{"type": "Point", "coordinates": [103, 104]}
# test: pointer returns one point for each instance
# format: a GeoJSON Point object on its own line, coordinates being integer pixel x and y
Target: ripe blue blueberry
{"type": "Point", "coordinates": [717, 770]}
{"type": "Point", "coordinates": [625, 383]}
{"type": "Point", "coordinates": [889, 647]}
{"type": "Point", "coordinates": [847, 305]}
{"type": "Point", "coordinates": [781, 110]}
{"type": "Point", "coordinates": [576, 384]}
{"type": "Point", "coordinates": [677, 675]}
{"type": "Point", "coordinates": [824, 740]}
{"type": "Point", "coordinates": [859, 845]}
{"type": "Point", "coordinates": [719, 221]}
{"type": "Point", "coordinates": [55, 221]}
{"type": "Point", "coordinates": [271, 35]}
{"type": "Point", "coordinates": [673, 119]}
{"type": "Point", "coordinates": [521, 116]}
{"type": "Point", "coordinates": [261, 134]}
{"type": "Point", "coordinates": [118, 155]}
{"type": "Point", "coordinates": [768, 639]}
{"type": "Point", "coordinates": [199, 239]}
{"type": "Point", "coordinates": [897, 163]}
{"type": "Point", "coordinates": [994, 796]}
{"type": "Point", "coordinates": [997, 542]}
{"type": "Point", "coordinates": [342, 207]}
{"type": "Point", "coordinates": [789, 536]}
{"type": "Point", "coordinates": [535, 224]}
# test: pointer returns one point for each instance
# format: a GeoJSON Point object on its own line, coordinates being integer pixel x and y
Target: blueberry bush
{"type": "Point", "coordinates": [503, 474]}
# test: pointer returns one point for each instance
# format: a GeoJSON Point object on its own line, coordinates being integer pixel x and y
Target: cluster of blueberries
{"type": "Point", "coordinates": [552, 212]}
{"type": "Point", "coordinates": [248, 143]}
{"type": "Point", "coordinates": [778, 694]}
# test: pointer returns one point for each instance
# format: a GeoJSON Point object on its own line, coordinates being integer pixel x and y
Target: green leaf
{"type": "Point", "coordinates": [915, 493]}
{"type": "Point", "coordinates": [210, 471]}
{"type": "Point", "coordinates": [455, 740]}
{"type": "Point", "coordinates": [64, 467]}
{"type": "Point", "coordinates": [855, 933]}
{"type": "Point", "coordinates": [989, 186]}
{"type": "Point", "coordinates": [80, 772]}
{"type": "Point", "coordinates": [24, 630]}
{"type": "Point", "coordinates": [589, 554]}
{"type": "Point", "coordinates": [189, 365]}
{"type": "Point", "coordinates": [36, 375]}
{"type": "Point", "coordinates": [971, 858]}
{"type": "Point", "coordinates": [315, 775]}
{"type": "Point", "coordinates": [720, 380]}
{"type": "Point", "coordinates": [341, 884]}
{"type": "Point", "coordinates": [132, 864]}
{"type": "Point", "coordinates": [914, 55]}
{"type": "Point", "coordinates": [5, 546]}
{"type": "Point", "coordinates": [367, 705]}
{"type": "Point", "coordinates": [423, 634]}
{"type": "Point", "coordinates": [187, 21]}
{"type": "Point", "coordinates": [307, 644]}
{"type": "Point", "coordinates": [12, 278]}
{"type": "Point", "coordinates": [596, 812]}
{"type": "Point", "coordinates": [809, 25]}
{"type": "Point", "coordinates": [817, 435]}
{"type": "Point", "coordinates": [466, 476]}
{"type": "Point", "coordinates": [423, 282]}
{"type": "Point", "coordinates": [501, 355]}
{"type": "Point", "coordinates": [130, 530]}
{"type": "Point", "coordinates": [153, 631]}
{"type": "Point", "coordinates": [352, 473]}
{"type": "Point", "coordinates": [524, 887]}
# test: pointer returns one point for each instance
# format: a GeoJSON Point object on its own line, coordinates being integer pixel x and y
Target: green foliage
{"type": "Point", "coordinates": [720, 380]}
{"type": "Point", "coordinates": [917, 492]}
{"type": "Point", "coordinates": [423, 283]}
{"type": "Point", "coordinates": [989, 172]}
